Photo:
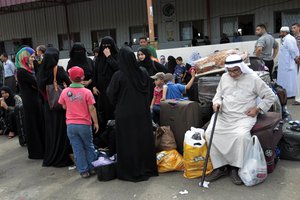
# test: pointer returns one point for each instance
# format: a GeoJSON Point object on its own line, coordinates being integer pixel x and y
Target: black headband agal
{"type": "Point", "coordinates": [233, 62]}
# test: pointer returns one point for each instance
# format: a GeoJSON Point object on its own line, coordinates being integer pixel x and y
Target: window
{"type": "Point", "coordinates": [191, 30]}
{"type": "Point", "coordinates": [135, 32]}
{"type": "Point", "coordinates": [99, 34]}
{"type": "Point", "coordinates": [230, 25]}
{"type": "Point", "coordinates": [63, 42]}
{"type": "Point", "coordinates": [286, 18]}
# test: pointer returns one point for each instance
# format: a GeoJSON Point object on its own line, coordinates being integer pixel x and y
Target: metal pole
{"type": "Point", "coordinates": [208, 19]}
{"type": "Point", "coordinates": [67, 21]}
{"type": "Point", "coordinates": [150, 20]}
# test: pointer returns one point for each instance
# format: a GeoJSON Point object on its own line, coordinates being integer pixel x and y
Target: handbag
{"type": "Point", "coordinates": [53, 92]}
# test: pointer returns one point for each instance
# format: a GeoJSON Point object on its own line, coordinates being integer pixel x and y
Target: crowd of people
{"type": "Point", "coordinates": [119, 85]}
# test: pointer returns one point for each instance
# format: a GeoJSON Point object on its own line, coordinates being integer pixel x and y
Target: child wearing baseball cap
{"type": "Point", "coordinates": [157, 95]}
{"type": "Point", "coordinates": [80, 114]}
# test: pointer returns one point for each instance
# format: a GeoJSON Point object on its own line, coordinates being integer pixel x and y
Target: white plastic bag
{"type": "Point", "coordinates": [254, 170]}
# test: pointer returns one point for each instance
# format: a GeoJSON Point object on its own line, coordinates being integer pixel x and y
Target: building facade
{"type": "Point", "coordinates": [177, 22]}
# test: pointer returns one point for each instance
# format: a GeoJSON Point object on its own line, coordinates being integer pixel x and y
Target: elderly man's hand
{"type": "Point", "coordinates": [217, 107]}
{"type": "Point", "coordinates": [252, 112]}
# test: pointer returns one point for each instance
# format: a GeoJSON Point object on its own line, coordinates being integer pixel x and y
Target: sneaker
{"type": "Point", "coordinates": [216, 174]}
{"type": "Point", "coordinates": [235, 176]}
{"type": "Point", "coordinates": [85, 174]}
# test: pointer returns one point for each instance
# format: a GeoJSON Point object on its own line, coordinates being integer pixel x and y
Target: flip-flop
{"type": "Point", "coordinates": [296, 103]}
{"type": "Point", "coordinates": [10, 137]}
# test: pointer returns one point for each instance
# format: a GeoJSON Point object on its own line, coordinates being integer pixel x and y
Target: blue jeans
{"type": "Point", "coordinates": [156, 113]}
{"type": "Point", "coordinates": [81, 139]}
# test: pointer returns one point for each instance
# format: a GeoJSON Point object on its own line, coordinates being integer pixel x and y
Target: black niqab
{"type": "Point", "coordinates": [129, 66]}
{"type": "Point", "coordinates": [50, 60]}
{"type": "Point", "coordinates": [171, 64]}
{"type": "Point", "coordinates": [78, 58]}
{"type": "Point", "coordinates": [106, 42]}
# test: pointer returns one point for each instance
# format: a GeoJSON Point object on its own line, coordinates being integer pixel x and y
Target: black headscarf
{"type": "Point", "coordinates": [78, 58]}
{"type": "Point", "coordinates": [10, 101]}
{"type": "Point", "coordinates": [50, 60]}
{"type": "Point", "coordinates": [171, 64]}
{"type": "Point", "coordinates": [147, 62]}
{"type": "Point", "coordinates": [101, 60]}
{"type": "Point", "coordinates": [131, 69]}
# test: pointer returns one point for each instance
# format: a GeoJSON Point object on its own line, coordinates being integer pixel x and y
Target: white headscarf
{"type": "Point", "coordinates": [236, 60]}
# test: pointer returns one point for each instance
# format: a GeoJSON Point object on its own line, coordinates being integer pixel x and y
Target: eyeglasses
{"type": "Point", "coordinates": [235, 71]}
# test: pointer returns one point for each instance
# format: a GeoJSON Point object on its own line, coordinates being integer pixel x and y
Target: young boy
{"type": "Point", "coordinates": [79, 104]}
{"type": "Point", "coordinates": [180, 70]}
{"type": "Point", "coordinates": [157, 95]}
{"type": "Point", "coordinates": [176, 91]}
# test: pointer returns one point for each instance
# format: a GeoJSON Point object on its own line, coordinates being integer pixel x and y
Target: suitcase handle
{"type": "Point", "coordinates": [173, 103]}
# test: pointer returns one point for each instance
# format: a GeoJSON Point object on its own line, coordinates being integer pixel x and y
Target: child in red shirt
{"type": "Point", "coordinates": [79, 104]}
{"type": "Point", "coordinates": [157, 96]}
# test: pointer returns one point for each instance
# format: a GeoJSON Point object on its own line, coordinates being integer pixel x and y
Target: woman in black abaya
{"type": "Point", "coordinates": [152, 67]}
{"type": "Point", "coordinates": [33, 115]}
{"type": "Point", "coordinates": [129, 91]}
{"type": "Point", "coordinates": [78, 58]}
{"type": "Point", "coordinates": [106, 65]}
{"type": "Point", "coordinates": [57, 146]}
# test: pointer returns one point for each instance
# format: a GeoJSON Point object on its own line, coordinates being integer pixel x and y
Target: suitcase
{"type": "Point", "coordinates": [268, 129]}
{"type": "Point", "coordinates": [290, 144]}
{"type": "Point", "coordinates": [106, 172]}
{"type": "Point", "coordinates": [207, 87]}
{"type": "Point", "coordinates": [180, 116]}
{"type": "Point", "coordinates": [19, 113]}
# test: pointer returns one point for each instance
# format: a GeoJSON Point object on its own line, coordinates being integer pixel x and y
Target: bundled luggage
{"type": "Point", "coordinates": [290, 143]}
{"type": "Point", "coordinates": [207, 87]}
{"type": "Point", "coordinates": [268, 129]}
{"type": "Point", "coordinates": [164, 139]}
{"type": "Point", "coordinates": [180, 116]}
{"type": "Point", "coordinates": [105, 167]}
{"type": "Point", "coordinates": [195, 150]}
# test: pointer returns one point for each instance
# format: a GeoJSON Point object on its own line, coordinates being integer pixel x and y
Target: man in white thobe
{"type": "Point", "coordinates": [287, 67]}
{"type": "Point", "coordinates": [236, 100]}
{"type": "Point", "coordinates": [296, 32]}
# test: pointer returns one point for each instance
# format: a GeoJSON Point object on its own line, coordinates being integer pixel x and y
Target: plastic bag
{"type": "Point", "coordinates": [194, 154]}
{"type": "Point", "coordinates": [168, 161]}
{"type": "Point", "coordinates": [254, 170]}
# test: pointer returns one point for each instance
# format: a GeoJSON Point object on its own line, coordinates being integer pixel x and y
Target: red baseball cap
{"type": "Point", "coordinates": [75, 73]}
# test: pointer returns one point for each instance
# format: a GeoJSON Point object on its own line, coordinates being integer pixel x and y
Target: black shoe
{"type": "Point", "coordinates": [235, 176]}
{"type": "Point", "coordinates": [216, 174]}
{"type": "Point", "coordinates": [92, 172]}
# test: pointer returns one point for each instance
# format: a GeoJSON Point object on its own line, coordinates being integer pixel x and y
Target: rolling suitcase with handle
{"type": "Point", "coordinates": [180, 116]}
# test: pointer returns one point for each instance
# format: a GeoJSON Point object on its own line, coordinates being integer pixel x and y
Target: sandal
{"type": "Point", "coordinates": [11, 135]}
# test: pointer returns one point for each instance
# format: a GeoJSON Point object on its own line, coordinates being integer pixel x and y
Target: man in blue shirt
{"type": "Point", "coordinates": [9, 72]}
{"type": "Point", "coordinates": [176, 91]}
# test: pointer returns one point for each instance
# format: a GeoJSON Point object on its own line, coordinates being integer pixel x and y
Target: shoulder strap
{"type": "Point", "coordinates": [154, 67]}
{"type": "Point", "coordinates": [54, 78]}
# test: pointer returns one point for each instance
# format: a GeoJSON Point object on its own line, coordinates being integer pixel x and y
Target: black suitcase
{"type": "Point", "coordinates": [180, 116]}
{"type": "Point", "coordinates": [19, 113]}
{"type": "Point", "coordinates": [207, 87]}
{"type": "Point", "coordinates": [290, 144]}
{"type": "Point", "coordinates": [106, 172]}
